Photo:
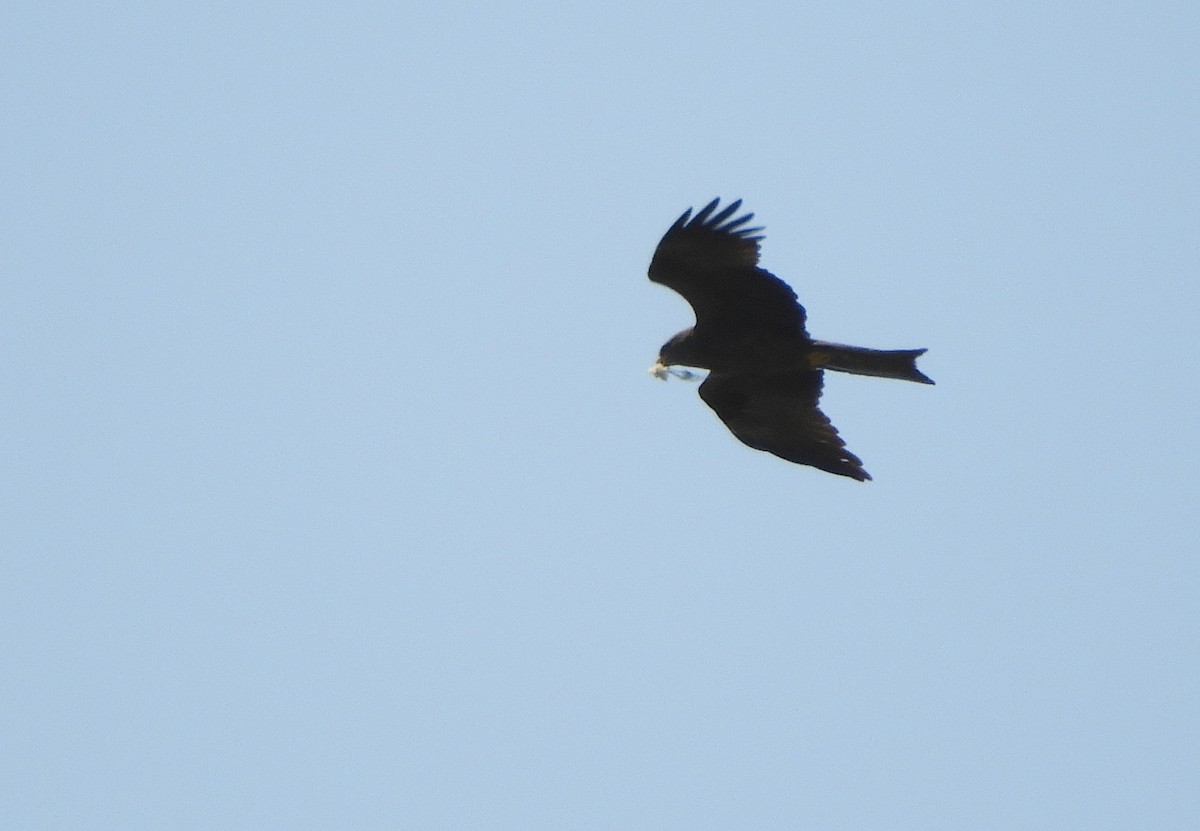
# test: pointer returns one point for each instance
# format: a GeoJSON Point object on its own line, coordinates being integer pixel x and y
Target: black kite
{"type": "Point", "coordinates": [765, 372]}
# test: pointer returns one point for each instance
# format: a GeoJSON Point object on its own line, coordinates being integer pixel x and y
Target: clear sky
{"type": "Point", "coordinates": [334, 492]}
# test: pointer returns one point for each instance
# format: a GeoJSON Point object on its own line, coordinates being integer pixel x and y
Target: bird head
{"type": "Point", "coordinates": [675, 352]}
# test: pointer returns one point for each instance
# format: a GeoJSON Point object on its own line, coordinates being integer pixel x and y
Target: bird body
{"type": "Point", "coordinates": [765, 371]}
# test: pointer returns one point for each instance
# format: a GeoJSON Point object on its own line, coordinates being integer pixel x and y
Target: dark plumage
{"type": "Point", "coordinates": [765, 372]}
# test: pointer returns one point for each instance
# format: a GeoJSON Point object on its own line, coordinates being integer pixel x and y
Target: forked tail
{"type": "Point", "coordinates": [883, 363]}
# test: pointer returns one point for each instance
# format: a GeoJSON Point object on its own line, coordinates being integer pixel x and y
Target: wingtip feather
{"type": "Point", "coordinates": [702, 217]}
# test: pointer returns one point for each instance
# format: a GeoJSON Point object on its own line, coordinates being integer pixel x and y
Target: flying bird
{"type": "Point", "coordinates": [765, 371]}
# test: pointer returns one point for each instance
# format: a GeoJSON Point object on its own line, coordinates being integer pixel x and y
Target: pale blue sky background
{"type": "Point", "coordinates": [335, 493]}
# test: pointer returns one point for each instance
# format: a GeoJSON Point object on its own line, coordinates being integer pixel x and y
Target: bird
{"type": "Point", "coordinates": [765, 372]}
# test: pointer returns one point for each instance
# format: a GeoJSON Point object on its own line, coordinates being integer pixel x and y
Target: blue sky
{"type": "Point", "coordinates": [335, 493]}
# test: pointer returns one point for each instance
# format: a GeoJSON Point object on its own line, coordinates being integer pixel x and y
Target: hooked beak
{"type": "Point", "coordinates": [661, 371]}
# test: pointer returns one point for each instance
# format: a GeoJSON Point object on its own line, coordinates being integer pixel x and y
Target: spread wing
{"type": "Point", "coordinates": [778, 413]}
{"type": "Point", "coordinates": [712, 260]}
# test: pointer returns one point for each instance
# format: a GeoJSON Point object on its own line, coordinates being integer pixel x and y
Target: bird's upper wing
{"type": "Point", "coordinates": [778, 413]}
{"type": "Point", "coordinates": [712, 261]}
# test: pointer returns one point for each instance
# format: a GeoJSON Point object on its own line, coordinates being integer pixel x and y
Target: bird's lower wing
{"type": "Point", "coordinates": [778, 413]}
